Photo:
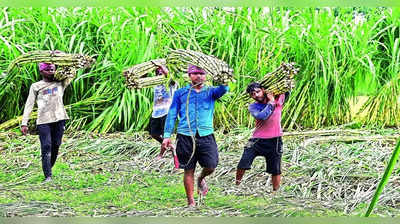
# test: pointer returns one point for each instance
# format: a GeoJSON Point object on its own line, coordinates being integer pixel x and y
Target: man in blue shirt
{"type": "Point", "coordinates": [162, 102]}
{"type": "Point", "coordinates": [194, 104]}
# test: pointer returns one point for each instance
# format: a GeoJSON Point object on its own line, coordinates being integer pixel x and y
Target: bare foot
{"type": "Point", "coordinates": [191, 203]}
{"type": "Point", "coordinates": [237, 182]}
{"type": "Point", "coordinates": [202, 187]}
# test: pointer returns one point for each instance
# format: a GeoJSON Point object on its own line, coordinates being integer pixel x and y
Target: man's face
{"type": "Point", "coordinates": [197, 78]}
{"type": "Point", "coordinates": [48, 72]}
{"type": "Point", "coordinates": [159, 71]}
{"type": "Point", "coordinates": [258, 95]}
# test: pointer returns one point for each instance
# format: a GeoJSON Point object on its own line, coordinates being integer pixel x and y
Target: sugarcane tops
{"type": "Point", "coordinates": [49, 99]}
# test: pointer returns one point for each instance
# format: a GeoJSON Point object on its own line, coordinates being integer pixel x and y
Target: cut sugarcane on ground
{"type": "Point", "coordinates": [116, 175]}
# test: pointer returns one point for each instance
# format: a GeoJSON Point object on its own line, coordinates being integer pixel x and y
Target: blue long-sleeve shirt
{"type": "Point", "coordinates": [200, 110]}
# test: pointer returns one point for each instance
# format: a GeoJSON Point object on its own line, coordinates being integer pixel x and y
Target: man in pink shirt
{"type": "Point", "coordinates": [266, 140]}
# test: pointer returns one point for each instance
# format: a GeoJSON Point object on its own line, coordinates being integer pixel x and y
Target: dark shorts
{"type": "Point", "coordinates": [156, 125]}
{"type": "Point", "coordinates": [206, 151]}
{"type": "Point", "coordinates": [271, 149]}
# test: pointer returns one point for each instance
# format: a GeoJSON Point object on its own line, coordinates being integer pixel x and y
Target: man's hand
{"type": "Point", "coordinates": [270, 97]}
{"type": "Point", "coordinates": [166, 143]}
{"type": "Point", "coordinates": [226, 82]}
{"type": "Point", "coordinates": [162, 70]}
{"type": "Point", "coordinates": [24, 129]}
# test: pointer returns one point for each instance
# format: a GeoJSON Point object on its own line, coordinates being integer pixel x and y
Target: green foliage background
{"type": "Point", "coordinates": [342, 53]}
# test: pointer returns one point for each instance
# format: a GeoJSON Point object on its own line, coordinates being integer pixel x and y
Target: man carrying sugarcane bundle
{"type": "Point", "coordinates": [48, 94]}
{"type": "Point", "coordinates": [195, 140]}
{"type": "Point", "coordinates": [266, 140]}
{"type": "Point", "coordinates": [162, 102]}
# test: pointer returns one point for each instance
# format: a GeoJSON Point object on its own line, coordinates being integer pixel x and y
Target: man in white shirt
{"type": "Point", "coordinates": [48, 94]}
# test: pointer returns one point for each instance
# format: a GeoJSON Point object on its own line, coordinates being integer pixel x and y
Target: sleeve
{"type": "Point", "coordinates": [30, 102]}
{"type": "Point", "coordinates": [287, 94]}
{"type": "Point", "coordinates": [262, 114]}
{"type": "Point", "coordinates": [219, 91]}
{"type": "Point", "coordinates": [172, 115]}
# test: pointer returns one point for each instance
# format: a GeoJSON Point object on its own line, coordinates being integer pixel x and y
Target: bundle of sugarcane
{"type": "Point", "coordinates": [63, 72]}
{"type": "Point", "coordinates": [65, 62]}
{"type": "Point", "coordinates": [135, 75]}
{"type": "Point", "coordinates": [146, 82]}
{"type": "Point", "coordinates": [219, 70]}
{"type": "Point", "coordinates": [278, 81]}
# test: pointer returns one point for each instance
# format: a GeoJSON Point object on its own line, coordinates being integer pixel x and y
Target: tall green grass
{"type": "Point", "coordinates": [342, 53]}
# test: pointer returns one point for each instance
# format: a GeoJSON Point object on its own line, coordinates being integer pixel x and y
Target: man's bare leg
{"type": "Point", "coordinates": [276, 180]}
{"type": "Point", "coordinates": [239, 175]}
{"type": "Point", "coordinates": [201, 184]}
{"type": "Point", "coordinates": [188, 182]}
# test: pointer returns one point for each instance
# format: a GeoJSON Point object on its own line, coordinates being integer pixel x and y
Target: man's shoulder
{"type": "Point", "coordinates": [182, 89]}
{"type": "Point", "coordinates": [257, 105]}
{"type": "Point", "coordinates": [38, 84]}
{"type": "Point", "coordinates": [215, 87]}
{"type": "Point", "coordinates": [42, 84]}
{"type": "Point", "coordinates": [159, 88]}
{"type": "Point", "coordinates": [222, 88]}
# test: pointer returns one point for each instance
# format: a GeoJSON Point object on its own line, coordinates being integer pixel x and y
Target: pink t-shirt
{"type": "Point", "coordinates": [271, 127]}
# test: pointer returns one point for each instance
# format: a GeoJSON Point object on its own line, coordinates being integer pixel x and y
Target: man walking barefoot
{"type": "Point", "coordinates": [195, 139]}
{"type": "Point", "coordinates": [266, 140]}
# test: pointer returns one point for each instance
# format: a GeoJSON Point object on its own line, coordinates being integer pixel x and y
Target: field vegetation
{"type": "Point", "coordinates": [341, 122]}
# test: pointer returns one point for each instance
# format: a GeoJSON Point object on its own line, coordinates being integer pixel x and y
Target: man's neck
{"type": "Point", "coordinates": [197, 87]}
{"type": "Point", "coordinates": [265, 101]}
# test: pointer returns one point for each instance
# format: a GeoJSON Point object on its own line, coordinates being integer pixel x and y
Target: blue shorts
{"type": "Point", "coordinates": [206, 151]}
{"type": "Point", "coordinates": [270, 149]}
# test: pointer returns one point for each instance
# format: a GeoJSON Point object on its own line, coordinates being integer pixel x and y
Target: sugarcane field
{"type": "Point", "coordinates": [199, 112]}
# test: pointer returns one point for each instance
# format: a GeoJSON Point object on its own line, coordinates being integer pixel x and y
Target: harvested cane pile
{"type": "Point", "coordinates": [219, 70]}
{"type": "Point", "coordinates": [67, 64]}
{"type": "Point", "coordinates": [135, 76]}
